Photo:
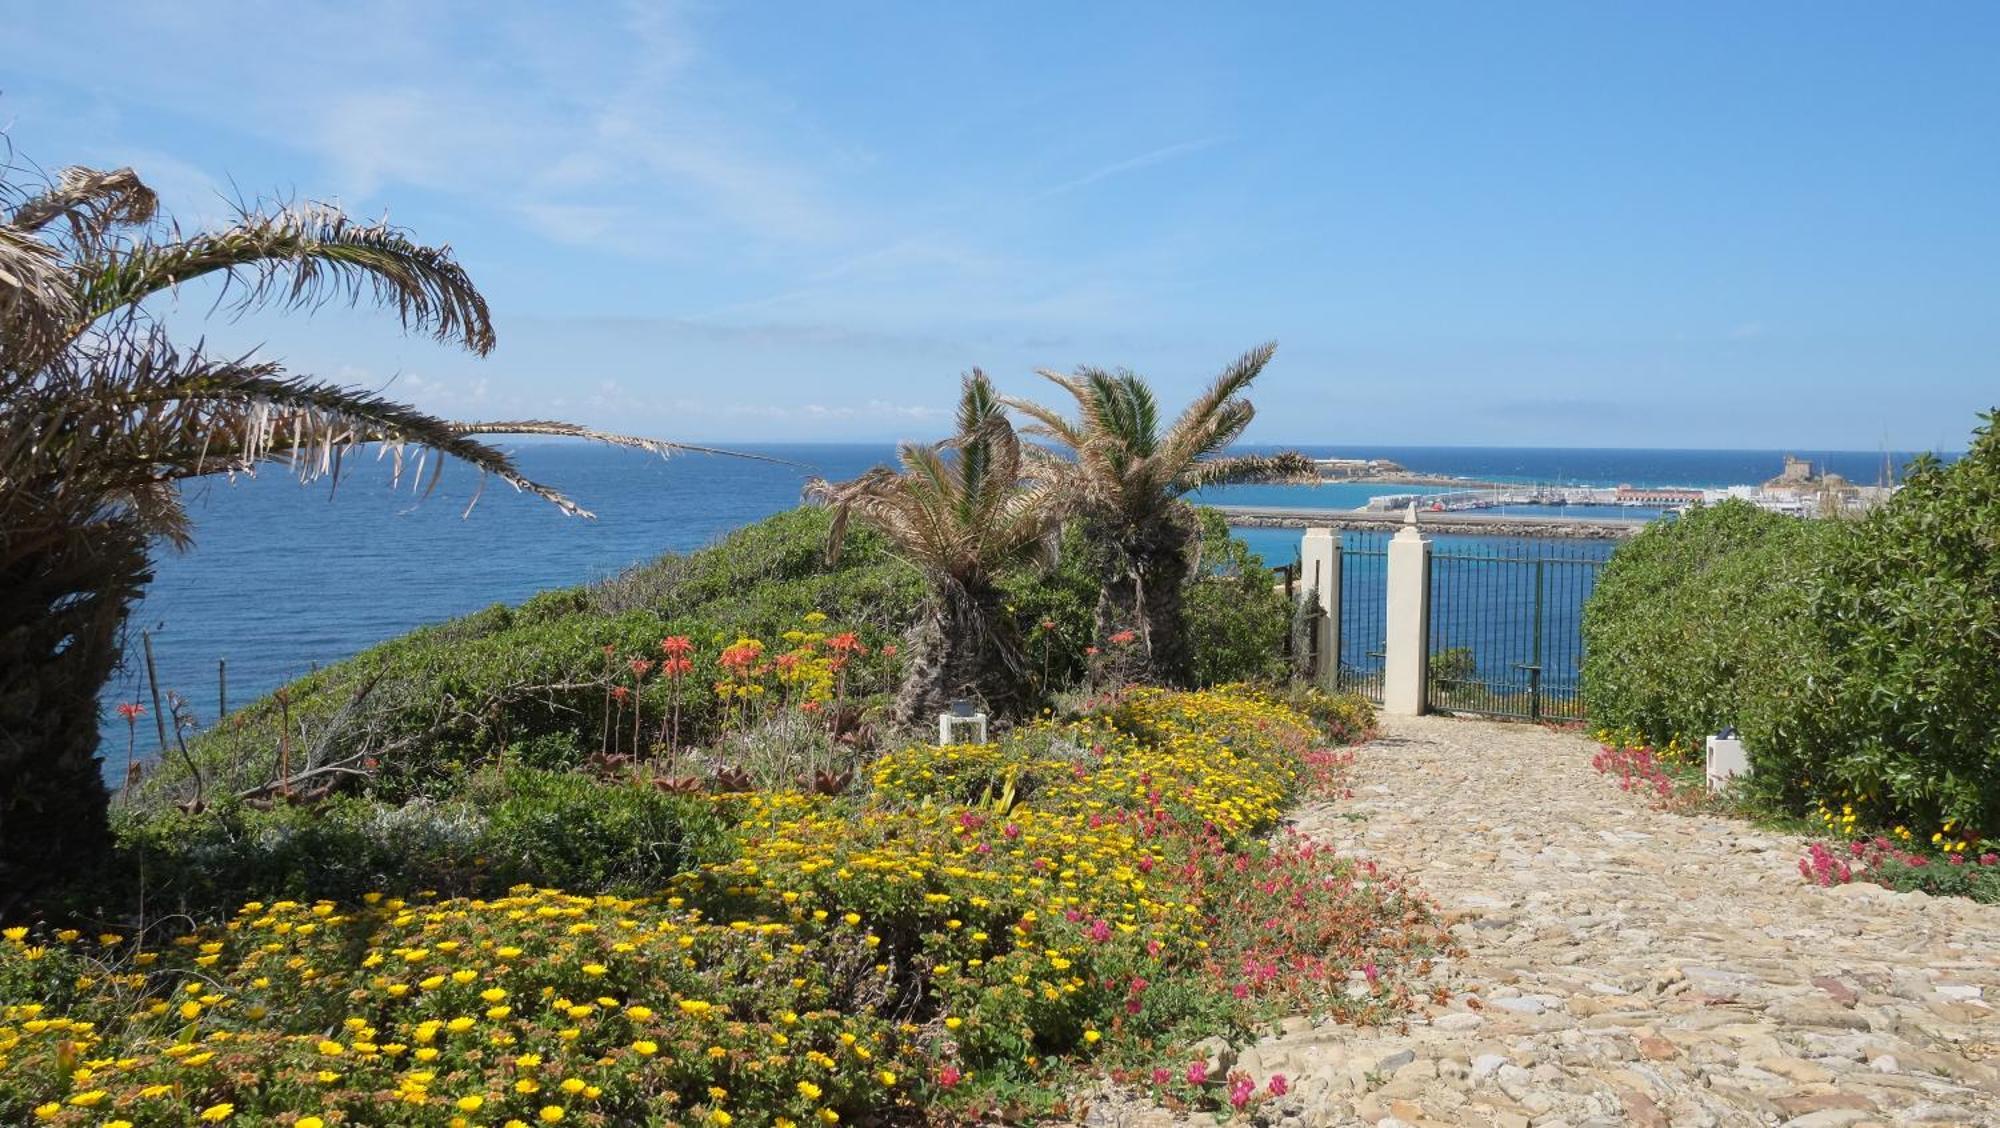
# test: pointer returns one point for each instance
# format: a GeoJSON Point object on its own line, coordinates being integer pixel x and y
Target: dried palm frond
{"type": "Point", "coordinates": [91, 201]}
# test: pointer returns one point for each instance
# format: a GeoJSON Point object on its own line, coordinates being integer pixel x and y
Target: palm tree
{"type": "Point", "coordinates": [960, 512]}
{"type": "Point", "coordinates": [102, 416]}
{"type": "Point", "coordinates": [1126, 479]}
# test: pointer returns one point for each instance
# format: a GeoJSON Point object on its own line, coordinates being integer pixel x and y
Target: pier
{"type": "Point", "coordinates": [1462, 523]}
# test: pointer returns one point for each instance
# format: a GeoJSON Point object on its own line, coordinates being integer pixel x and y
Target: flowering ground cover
{"type": "Point", "coordinates": [961, 939]}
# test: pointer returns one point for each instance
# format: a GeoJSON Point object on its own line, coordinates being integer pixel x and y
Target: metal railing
{"type": "Point", "coordinates": [1364, 599]}
{"type": "Point", "coordinates": [1505, 626]}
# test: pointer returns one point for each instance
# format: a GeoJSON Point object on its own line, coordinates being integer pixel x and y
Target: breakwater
{"type": "Point", "coordinates": [1466, 524]}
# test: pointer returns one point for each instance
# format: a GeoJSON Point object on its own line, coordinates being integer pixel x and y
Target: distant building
{"type": "Point", "coordinates": [1656, 495]}
{"type": "Point", "coordinates": [1798, 472]}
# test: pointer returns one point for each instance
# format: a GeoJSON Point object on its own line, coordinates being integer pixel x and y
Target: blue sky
{"type": "Point", "coordinates": [1594, 224]}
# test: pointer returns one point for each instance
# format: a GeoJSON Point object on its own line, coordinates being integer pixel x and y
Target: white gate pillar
{"type": "Point", "coordinates": [1319, 576]}
{"type": "Point", "coordinates": [1405, 666]}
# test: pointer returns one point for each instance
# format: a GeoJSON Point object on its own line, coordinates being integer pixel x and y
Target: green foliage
{"type": "Point", "coordinates": [521, 825]}
{"type": "Point", "coordinates": [1909, 717]}
{"type": "Point", "coordinates": [1697, 619]}
{"type": "Point", "coordinates": [1236, 616]}
{"type": "Point", "coordinates": [440, 702]}
{"type": "Point", "coordinates": [444, 699]}
{"type": "Point", "coordinates": [1856, 659]}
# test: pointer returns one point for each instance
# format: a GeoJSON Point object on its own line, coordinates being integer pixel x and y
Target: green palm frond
{"type": "Point", "coordinates": [301, 257]}
{"type": "Point", "coordinates": [959, 509]}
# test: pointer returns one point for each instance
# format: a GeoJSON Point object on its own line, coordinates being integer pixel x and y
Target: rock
{"type": "Point", "coordinates": [1656, 1048]}
{"type": "Point", "coordinates": [1216, 1054]}
{"type": "Point", "coordinates": [1799, 1104]}
{"type": "Point", "coordinates": [1457, 1021]}
{"type": "Point", "coordinates": [1804, 1072]}
{"type": "Point", "coordinates": [1809, 1012]}
{"type": "Point", "coordinates": [1840, 992]}
{"type": "Point", "coordinates": [1485, 1065]}
{"type": "Point", "coordinates": [1831, 1118]}
{"type": "Point", "coordinates": [1390, 1063]}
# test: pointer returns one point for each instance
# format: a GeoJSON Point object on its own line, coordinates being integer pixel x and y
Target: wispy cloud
{"type": "Point", "coordinates": [1160, 155]}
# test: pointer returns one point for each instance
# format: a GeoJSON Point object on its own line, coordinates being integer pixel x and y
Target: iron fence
{"type": "Point", "coordinates": [1364, 618]}
{"type": "Point", "coordinates": [1506, 626]}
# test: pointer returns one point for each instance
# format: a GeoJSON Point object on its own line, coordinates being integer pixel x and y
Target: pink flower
{"type": "Point", "coordinates": [131, 710]}
{"type": "Point", "coordinates": [1240, 1090]}
{"type": "Point", "coordinates": [949, 1076]}
{"type": "Point", "coordinates": [1011, 831]}
{"type": "Point", "coordinates": [1197, 1073]}
{"type": "Point", "coordinates": [1279, 1086]}
{"type": "Point", "coordinates": [1162, 1076]}
{"type": "Point", "coordinates": [1100, 931]}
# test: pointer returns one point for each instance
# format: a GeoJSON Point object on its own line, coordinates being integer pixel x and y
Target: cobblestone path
{"type": "Point", "coordinates": [1629, 966]}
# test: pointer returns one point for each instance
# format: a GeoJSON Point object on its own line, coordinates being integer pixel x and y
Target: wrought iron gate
{"type": "Point", "coordinates": [1364, 619]}
{"type": "Point", "coordinates": [1505, 628]}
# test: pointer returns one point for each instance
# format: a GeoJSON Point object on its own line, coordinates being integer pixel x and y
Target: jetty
{"type": "Point", "coordinates": [1463, 523]}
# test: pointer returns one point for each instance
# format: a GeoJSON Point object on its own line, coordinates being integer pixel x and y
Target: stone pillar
{"type": "Point", "coordinates": [1319, 572]}
{"type": "Point", "coordinates": [1405, 667]}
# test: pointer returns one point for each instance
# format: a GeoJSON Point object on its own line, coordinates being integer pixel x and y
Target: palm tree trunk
{"type": "Point", "coordinates": [1143, 589]}
{"type": "Point", "coordinates": [962, 646]}
{"type": "Point", "coordinates": [64, 595]}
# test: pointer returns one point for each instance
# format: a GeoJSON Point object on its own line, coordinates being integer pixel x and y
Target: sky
{"type": "Point", "coordinates": [1551, 224]}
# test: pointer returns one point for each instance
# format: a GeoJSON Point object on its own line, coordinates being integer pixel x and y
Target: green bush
{"type": "Point", "coordinates": [522, 825]}
{"type": "Point", "coordinates": [1907, 724]}
{"type": "Point", "coordinates": [1859, 661]}
{"type": "Point", "coordinates": [1697, 619]}
{"type": "Point", "coordinates": [1236, 616]}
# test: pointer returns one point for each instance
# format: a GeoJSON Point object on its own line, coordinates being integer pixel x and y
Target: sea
{"type": "Point", "coordinates": [284, 577]}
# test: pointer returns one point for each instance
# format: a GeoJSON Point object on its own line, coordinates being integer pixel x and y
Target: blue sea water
{"type": "Point", "coordinates": [285, 577]}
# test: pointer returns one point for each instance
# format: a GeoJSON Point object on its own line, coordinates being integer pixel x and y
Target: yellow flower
{"type": "Point", "coordinates": [303, 1122]}
{"type": "Point", "coordinates": [809, 1091]}
{"type": "Point", "coordinates": [828, 1116]}
{"type": "Point", "coordinates": [887, 1077]}
{"type": "Point", "coordinates": [493, 994]}
{"type": "Point", "coordinates": [594, 969]}
{"type": "Point", "coordinates": [91, 1099]}
{"type": "Point", "coordinates": [48, 1111]}
{"type": "Point", "coordinates": [17, 934]}
{"type": "Point", "coordinates": [217, 1113]}
{"type": "Point", "coordinates": [190, 1010]}
{"type": "Point", "coordinates": [645, 1047]}
{"type": "Point", "coordinates": [721, 1118]}
{"type": "Point", "coordinates": [572, 1085]}
{"type": "Point", "coordinates": [1091, 1036]}
{"type": "Point", "coordinates": [331, 1048]}
{"type": "Point", "coordinates": [550, 1114]}
{"type": "Point", "coordinates": [953, 1022]}
{"type": "Point", "coordinates": [471, 1103]}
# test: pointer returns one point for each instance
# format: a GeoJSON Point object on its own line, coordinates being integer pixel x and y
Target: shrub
{"type": "Point", "coordinates": [1235, 614]}
{"type": "Point", "coordinates": [1697, 623]}
{"type": "Point", "coordinates": [1907, 723]}
{"type": "Point", "coordinates": [1856, 659]}
{"type": "Point", "coordinates": [523, 825]}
